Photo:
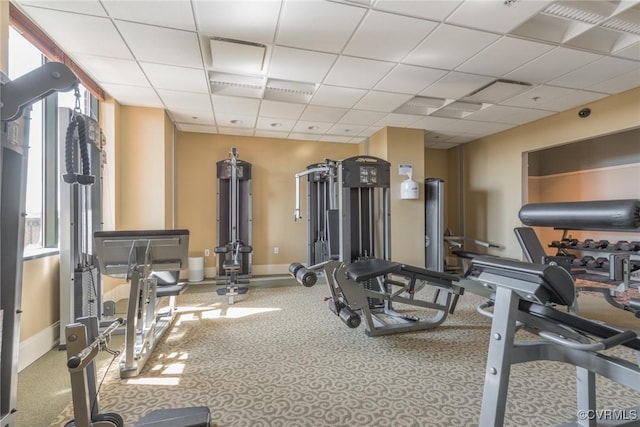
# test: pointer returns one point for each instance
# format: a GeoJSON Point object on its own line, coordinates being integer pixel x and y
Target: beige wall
{"type": "Point", "coordinates": [274, 165]}
{"type": "Point", "coordinates": [493, 174]}
{"type": "Point", "coordinates": [40, 295]}
{"type": "Point", "coordinates": [140, 169]}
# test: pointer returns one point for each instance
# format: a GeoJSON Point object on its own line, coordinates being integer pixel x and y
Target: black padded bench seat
{"type": "Point", "coordinates": [362, 271]}
{"type": "Point", "coordinates": [176, 417]}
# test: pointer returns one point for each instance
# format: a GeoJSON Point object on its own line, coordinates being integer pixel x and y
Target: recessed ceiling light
{"type": "Point", "coordinates": [276, 125]}
{"type": "Point", "coordinates": [194, 117]}
{"type": "Point", "coordinates": [236, 122]}
{"type": "Point", "coordinates": [313, 127]}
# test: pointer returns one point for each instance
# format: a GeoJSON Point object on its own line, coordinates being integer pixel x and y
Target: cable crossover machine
{"type": "Point", "coordinates": [233, 225]}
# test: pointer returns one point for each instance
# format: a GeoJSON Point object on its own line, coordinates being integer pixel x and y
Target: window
{"type": "Point", "coordinates": [41, 223]}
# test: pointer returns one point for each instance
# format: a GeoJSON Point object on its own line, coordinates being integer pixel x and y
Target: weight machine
{"type": "Point", "coordinates": [83, 346]}
{"type": "Point", "coordinates": [80, 195]}
{"type": "Point", "coordinates": [16, 97]}
{"type": "Point", "coordinates": [364, 283]}
{"type": "Point", "coordinates": [321, 198]}
{"type": "Point", "coordinates": [139, 256]}
{"type": "Point", "coordinates": [234, 225]}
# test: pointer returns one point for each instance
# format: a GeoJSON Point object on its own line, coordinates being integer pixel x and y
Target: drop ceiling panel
{"type": "Point", "coordinates": [508, 115]}
{"type": "Point", "coordinates": [456, 85]}
{"type": "Point", "coordinates": [346, 129]}
{"type": "Point", "coordinates": [449, 46]}
{"type": "Point", "coordinates": [552, 65]}
{"type": "Point", "coordinates": [133, 95]}
{"type": "Point", "coordinates": [189, 100]}
{"type": "Point", "coordinates": [618, 84]}
{"type": "Point", "coordinates": [321, 26]}
{"type": "Point", "coordinates": [188, 127]}
{"type": "Point", "coordinates": [86, 7]}
{"type": "Point", "coordinates": [300, 65]}
{"type": "Point", "coordinates": [172, 14]}
{"type": "Point", "coordinates": [253, 21]}
{"type": "Point", "coordinates": [238, 131]}
{"type": "Point", "coordinates": [337, 96]}
{"type": "Point", "coordinates": [98, 35]}
{"type": "Point", "coordinates": [495, 16]}
{"type": "Point", "coordinates": [162, 45]}
{"type": "Point", "coordinates": [176, 78]}
{"type": "Point", "coordinates": [277, 109]}
{"type": "Point", "coordinates": [434, 10]}
{"type": "Point", "coordinates": [113, 70]}
{"type": "Point", "coordinates": [595, 72]}
{"type": "Point", "coordinates": [575, 99]}
{"type": "Point", "coordinates": [409, 79]}
{"type": "Point", "coordinates": [312, 127]}
{"type": "Point", "coordinates": [360, 117]}
{"type": "Point", "coordinates": [480, 129]}
{"type": "Point", "coordinates": [335, 138]}
{"type": "Point", "coordinates": [387, 37]}
{"type": "Point", "coordinates": [271, 134]}
{"type": "Point", "coordinates": [504, 56]}
{"type": "Point", "coordinates": [199, 117]}
{"type": "Point", "coordinates": [357, 72]}
{"type": "Point", "coordinates": [599, 39]}
{"type": "Point", "coordinates": [235, 105]}
{"type": "Point", "coordinates": [236, 121]}
{"type": "Point", "coordinates": [305, 136]}
{"type": "Point", "coordinates": [631, 52]}
{"type": "Point", "coordinates": [322, 114]}
{"type": "Point", "coordinates": [382, 101]}
{"type": "Point", "coordinates": [399, 120]}
{"type": "Point", "coordinates": [275, 124]}
{"type": "Point", "coordinates": [540, 97]}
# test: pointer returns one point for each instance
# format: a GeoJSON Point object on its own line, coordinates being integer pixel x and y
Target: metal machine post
{"type": "Point", "coordinates": [434, 224]}
{"type": "Point", "coordinates": [80, 217]}
{"type": "Point", "coordinates": [16, 97]}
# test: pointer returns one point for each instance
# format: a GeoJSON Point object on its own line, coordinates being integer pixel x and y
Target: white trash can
{"type": "Point", "coordinates": [196, 269]}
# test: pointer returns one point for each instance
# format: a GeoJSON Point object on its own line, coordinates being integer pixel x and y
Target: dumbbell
{"type": "Point", "coordinates": [584, 260]}
{"type": "Point", "coordinates": [623, 245]}
{"type": "Point", "coordinates": [602, 262]}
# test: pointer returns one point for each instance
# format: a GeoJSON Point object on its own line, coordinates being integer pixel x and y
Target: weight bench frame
{"type": "Point", "coordinates": [523, 293]}
{"type": "Point", "coordinates": [347, 285]}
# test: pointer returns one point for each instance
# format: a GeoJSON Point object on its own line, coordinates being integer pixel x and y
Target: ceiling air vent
{"type": "Point", "coordinates": [458, 110]}
{"type": "Point", "coordinates": [289, 91]}
{"type": "Point", "coordinates": [497, 91]}
{"type": "Point", "coordinates": [420, 106]}
{"type": "Point", "coordinates": [237, 55]}
{"type": "Point", "coordinates": [236, 84]}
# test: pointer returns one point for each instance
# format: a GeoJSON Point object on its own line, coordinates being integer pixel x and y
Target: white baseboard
{"type": "Point", "coordinates": [38, 345]}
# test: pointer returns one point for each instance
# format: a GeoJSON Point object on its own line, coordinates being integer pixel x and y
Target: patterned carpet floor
{"type": "Point", "coordinates": [279, 357]}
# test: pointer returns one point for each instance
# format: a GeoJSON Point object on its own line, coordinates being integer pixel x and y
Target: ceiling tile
{"type": "Point", "coordinates": [300, 65]}
{"type": "Point", "coordinates": [436, 123]}
{"type": "Point", "coordinates": [188, 127]}
{"type": "Point", "coordinates": [235, 121]}
{"type": "Point", "coordinates": [336, 96]}
{"type": "Point", "coordinates": [82, 34]}
{"type": "Point", "coordinates": [198, 117]}
{"type": "Point", "coordinates": [631, 52]}
{"type": "Point", "coordinates": [247, 20]}
{"type": "Point", "coordinates": [387, 37]}
{"type": "Point", "coordinates": [577, 98]}
{"type": "Point", "coordinates": [540, 97]}
{"type": "Point", "coordinates": [480, 128]}
{"type": "Point", "coordinates": [277, 109]}
{"type": "Point", "coordinates": [112, 70]}
{"type": "Point", "coordinates": [162, 45]}
{"type": "Point", "coordinates": [176, 78]}
{"type": "Point", "coordinates": [551, 65]}
{"type": "Point", "coordinates": [244, 131]}
{"type": "Point", "coordinates": [314, 127]}
{"type": "Point", "coordinates": [189, 100]}
{"type": "Point", "coordinates": [382, 101]}
{"type": "Point", "coordinates": [172, 14]}
{"type": "Point", "coordinates": [618, 84]}
{"type": "Point", "coordinates": [305, 136]}
{"type": "Point", "coordinates": [235, 105]}
{"type": "Point", "coordinates": [456, 85]}
{"type": "Point", "coordinates": [409, 79]}
{"type": "Point", "coordinates": [271, 134]}
{"type": "Point", "coordinates": [360, 117]}
{"type": "Point", "coordinates": [276, 125]}
{"type": "Point", "coordinates": [133, 95]}
{"type": "Point", "coordinates": [357, 72]}
{"type": "Point", "coordinates": [449, 46]}
{"type": "Point", "coordinates": [86, 7]}
{"type": "Point", "coordinates": [346, 129]}
{"type": "Point", "coordinates": [504, 56]}
{"type": "Point", "coordinates": [495, 16]}
{"type": "Point", "coordinates": [595, 72]}
{"type": "Point", "coordinates": [435, 10]}
{"type": "Point", "coordinates": [322, 114]}
{"type": "Point", "coordinates": [509, 115]}
{"type": "Point", "coordinates": [335, 138]}
{"type": "Point", "coordinates": [399, 120]}
{"type": "Point", "coordinates": [321, 26]}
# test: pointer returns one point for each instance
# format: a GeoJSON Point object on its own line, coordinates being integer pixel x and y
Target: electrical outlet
{"type": "Point", "coordinates": [276, 250]}
{"type": "Point", "coordinates": [206, 252]}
